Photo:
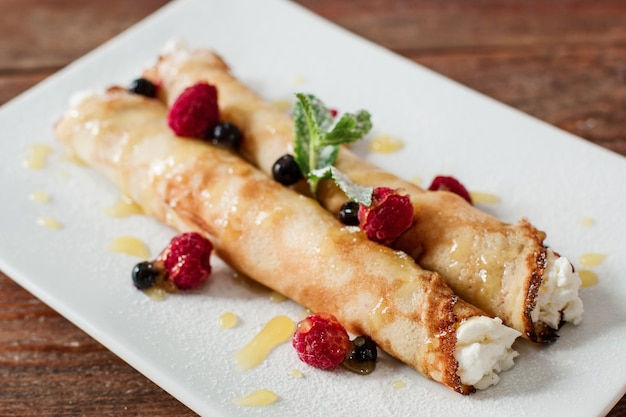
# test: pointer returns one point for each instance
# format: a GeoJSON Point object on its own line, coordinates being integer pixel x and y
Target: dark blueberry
{"type": "Point", "coordinates": [145, 275]}
{"type": "Point", "coordinates": [143, 87]}
{"type": "Point", "coordinates": [286, 170]}
{"type": "Point", "coordinates": [349, 213]}
{"type": "Point", "coordinates": [362, 355]}
{"type": "Point", "coordinates": [364, 349]}
{"type": "Point", "coordinates": [225, 134]}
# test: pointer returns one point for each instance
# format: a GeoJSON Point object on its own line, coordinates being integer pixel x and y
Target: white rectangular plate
{"type": "Point", "coordinates": [538, 171]}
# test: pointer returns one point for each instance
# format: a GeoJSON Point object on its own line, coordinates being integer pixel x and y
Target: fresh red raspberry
{"type": "Point", "coordinates": [442, 183]}
{"type": "Point", "coordinates": [195, 111]}
{"type": "Point", "coordinates": [389, 215]}
{"type": "Point", "coordinates": [321, 341]}
{"type": "Point", "coordinates": [187, 260]}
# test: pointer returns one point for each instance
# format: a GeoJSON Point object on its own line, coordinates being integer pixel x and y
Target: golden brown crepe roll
{"type": "Point", "coordinates": [288, 242]}
{"type": "Point", "coordinates": [502, 268]}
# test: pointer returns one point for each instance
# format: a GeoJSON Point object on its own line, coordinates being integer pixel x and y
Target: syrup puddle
{"type": "Point", "coordinates": [485, 198]}
{"type": "Point", "coordinates": [256, 398]}
{"type": "Point", "coordinates": [296, 374]}
{"type": "Point", "coordinates": [297, 79]}
{"type": "Point", "coordinates": [155, 293]}
{"type": "Point", "coordinates": [123, 207]}
{"type": "Point", "coordinates": [49, 223]}
{"type": "Point", "coordinates": [129, 245]}
{"type": "Point", "coordinates": [586, 221]}
{"type": "Point", "coordinates": [398, 384]}
{"type": "Point", "coordinates": [591, 259]}
{"type": "Point", "coordinates": [39, 197]}
{"type": "Point", "coordinates": [587, 278]}
{"type": "Point", "coordinates": [276, 331]}
{"type": "Point", "coordinates": [36, 156]}
{"type": "Point", "coordinates": [277, 297]}
{"type": "Point", "coordinates": [228, 320]}
{"type": "Point", "coordinates": [385, 144]}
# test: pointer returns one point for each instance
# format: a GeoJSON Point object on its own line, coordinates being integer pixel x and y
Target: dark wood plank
{"type": "Point", "coordinates": [50, 368]}
{"type": "Point", "coordinates": [49, 34]}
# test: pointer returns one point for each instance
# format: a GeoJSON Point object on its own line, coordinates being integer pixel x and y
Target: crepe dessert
{"type": "Point", "coordinates": [502, 268]}
{"type": "Point", "coordinates": [287, 241]}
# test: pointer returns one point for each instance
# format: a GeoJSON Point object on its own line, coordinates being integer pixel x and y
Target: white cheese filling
{"type": "Point", "coordinates": [483, 349]}
{"type": "Point", "coordinates": [557, 299]}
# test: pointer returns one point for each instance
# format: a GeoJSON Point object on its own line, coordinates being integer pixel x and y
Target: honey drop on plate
{"type": "Point", "coordinates": [228, 320]}
{"type": "Point", "coordinates": [123, 207]}
{"type": "Point", "coordinates": [591, 259]}
{"type": "Point", "coordinates": [385, 144]}
{"type": "Point", "coordinates": [587, 278]}
{"type": "Point", "coordinates": [39, 197]}
{"type": "Point", "coordinates": [398, 384]}
{"type": "Point", "coordinates": [49, 223]}
{"type": "Point", "coordinates": [129, 245]}
{"type": "Point", "coordinates": [485, 198]}
{"type": "Point", "coordinates": [256, 398]}
{"type": "Point", "coordinates": [36, 156]}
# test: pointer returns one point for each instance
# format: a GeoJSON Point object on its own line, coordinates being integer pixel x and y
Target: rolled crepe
{"type": "Point", "coordinates": [502, 268]}
{"type": "Point", "coordinates": [288, 242]}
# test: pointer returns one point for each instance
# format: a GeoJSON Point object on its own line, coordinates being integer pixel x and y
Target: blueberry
{"type": "Point", "coordinates": [225, 134]}
{"type": "Point", "coordinates": [145, 275]}
{"type": "Point", "coordinates": [286, 170]}
{"type": "Point", "coordinates": [143, 87]}
{"type": "Point", "coordinates": [349, 213]}
{"type": "Point", "coordinates": [364, 349]}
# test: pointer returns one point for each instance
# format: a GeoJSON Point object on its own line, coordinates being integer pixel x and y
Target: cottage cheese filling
{"type": "Point", "coordinates": [483, 349]}
{"type": "Point", "coordinates": [557, 299]}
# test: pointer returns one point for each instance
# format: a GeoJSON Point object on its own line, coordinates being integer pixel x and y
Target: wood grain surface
{"type": "Point", "coordinates": [562, 61]}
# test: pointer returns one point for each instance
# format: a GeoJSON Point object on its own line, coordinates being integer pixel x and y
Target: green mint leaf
{"type": "Point", "coordinates": [350, 128]}
{"type": "Point", "coordinates": [311, 120]}
{"type": "Point", "coordinates": [355, 192]}
{"type": "Point", "coordinates": [317, 145]}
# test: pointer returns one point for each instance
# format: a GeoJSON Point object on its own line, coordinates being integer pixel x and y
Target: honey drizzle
{"type": "Point", "coordinates": [591, 259]}
{"type": "Point", "coordinates": [485, 198]}
{"type": "Point", "coordinates": [129, 245]}
{"type": "Point", "coordinates": [257, 398]}
{"type": "Point", "coordinates": [49, 223]}
{"type": "Point", "coordinates": [296, 374]}
{"type": "Point", "coordinates": [37, 156]}
{"type": "Point", "coordinates": [123, 207]}
{"type": "Point", "coordinates": [228, 320]}
{"type": "Point", "coordinates": [276, 331]}
{"type": "Point", "coordinates": [385, 144]}
{"type": "Point", "coordinates": [587, 278]}
{"type": "Point", "coordinates": [398, 384]}
{"type": "Point", "coordinates": [39, 197]}
{"type": "Point", "coordinates": [586, 221]}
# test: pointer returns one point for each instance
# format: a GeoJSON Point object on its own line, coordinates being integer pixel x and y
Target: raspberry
{"type": "Point", "coordinates": [321, 341]}
{"type": "Point", "coordinates": [195, 111]}
{"type": "Point", "coordinates": [388, 217]}
{"type": "Point", "coordinates": [442, 183]}
{"type": "Point", "coordinates": [187, 260]}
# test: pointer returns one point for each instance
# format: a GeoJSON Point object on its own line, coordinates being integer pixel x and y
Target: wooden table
{"type": "Point", "coordinates": [561, 61]}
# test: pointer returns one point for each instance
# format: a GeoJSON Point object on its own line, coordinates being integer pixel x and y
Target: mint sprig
{"type": "Point", "coordinates": [355, 192]}
{"type": "Point", "coordinates": [317, 141]}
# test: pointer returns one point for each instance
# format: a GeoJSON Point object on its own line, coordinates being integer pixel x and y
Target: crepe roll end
{"type": "Point", "coordinates": [557, 300]}
{"type": "Point", "coordinates": [484, 349]}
